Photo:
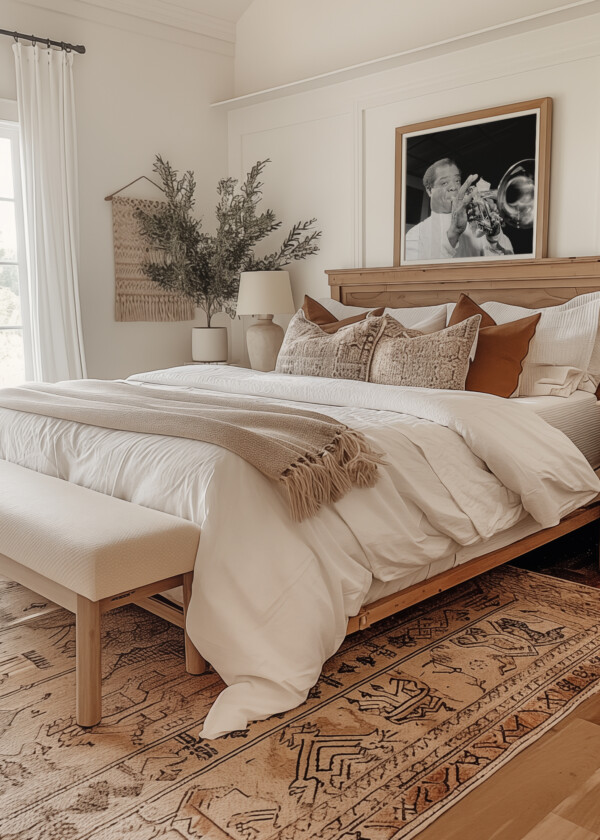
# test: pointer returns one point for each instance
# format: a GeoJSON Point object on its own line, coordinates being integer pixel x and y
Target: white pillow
{"type": "Point", "coordinates": [426, 319]}
{"type": "Point", "coordinates": [591, 378]}
{"type": "Point", "coordinates": [340, 310]}
{"type": "Point", "coordinates": [563, 356]}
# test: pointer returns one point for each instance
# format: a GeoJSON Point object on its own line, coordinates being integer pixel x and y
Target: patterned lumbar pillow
{"type": "Point", "coordinates": [346, 354]}
{"type": "Point", "coordinates": [436, 360]}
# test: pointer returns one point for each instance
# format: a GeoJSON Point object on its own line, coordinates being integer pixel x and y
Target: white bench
{"type": "Point", "coordinates": [91, 553]}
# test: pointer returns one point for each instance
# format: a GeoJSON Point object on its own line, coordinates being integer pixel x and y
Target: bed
{"type": "Point", "coordinates": [577, 416]}
{"type": "Point", "coordinates": [273, 599]}
{"type": "Point", "coordinates": [527, 283]}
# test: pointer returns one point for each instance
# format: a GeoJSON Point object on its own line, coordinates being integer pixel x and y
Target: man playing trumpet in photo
{"type": "Point", "coordinates": [463, 223]}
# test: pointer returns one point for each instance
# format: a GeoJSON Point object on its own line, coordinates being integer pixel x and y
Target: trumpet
{"type": "Point", "coordinates": [512, 203]}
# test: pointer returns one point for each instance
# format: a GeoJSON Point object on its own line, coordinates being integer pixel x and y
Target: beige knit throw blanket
{"type": "Point", "coordinates": [312, 458]}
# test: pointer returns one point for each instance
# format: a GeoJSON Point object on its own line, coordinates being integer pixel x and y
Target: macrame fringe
{"type": "Point", "coordinates": [312, 481]}
{"type": "Point", "coordinates": [138, 307]}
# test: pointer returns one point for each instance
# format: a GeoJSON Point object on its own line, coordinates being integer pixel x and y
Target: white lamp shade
{"type": "Point", "coordinates": [265, 292]}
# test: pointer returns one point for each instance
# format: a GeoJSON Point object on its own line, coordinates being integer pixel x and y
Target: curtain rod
{"type": "Point", "coordinates": [48, 41]}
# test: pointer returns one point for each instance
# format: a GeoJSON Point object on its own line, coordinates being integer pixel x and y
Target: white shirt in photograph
{"type": "Point", "coordinates": [429, 241]}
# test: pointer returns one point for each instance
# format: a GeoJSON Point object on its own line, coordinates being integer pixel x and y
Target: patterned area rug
{"type": "Point", "coordinates": [406, 718]}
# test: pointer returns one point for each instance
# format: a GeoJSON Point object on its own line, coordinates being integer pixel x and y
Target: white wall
{"type": "Point", "coordinates": [333, 147]}
{"type": "Point", "coordinates": [137, 95]}
{"type": "Point", "coordinates": [281, 41]}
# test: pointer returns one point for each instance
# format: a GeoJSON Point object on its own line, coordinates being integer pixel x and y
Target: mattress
{"type": "Point", "coordinates": [577, 416]}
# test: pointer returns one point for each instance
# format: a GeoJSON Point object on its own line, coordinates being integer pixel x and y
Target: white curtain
{"type": "Point", "coordinates": [49, 166]}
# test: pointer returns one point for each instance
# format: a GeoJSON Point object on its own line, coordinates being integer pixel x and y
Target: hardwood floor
{"type": "Point", "coordinates": [551, 791]}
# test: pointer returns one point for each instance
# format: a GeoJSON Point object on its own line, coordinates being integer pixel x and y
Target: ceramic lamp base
{"type": "Point", "coordinates": [209, 344]}
{"type": "Point", "coordinates": [264, 338]}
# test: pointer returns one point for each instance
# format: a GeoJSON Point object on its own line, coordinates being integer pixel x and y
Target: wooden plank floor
{"type": "Point", "coordinates": [550, 791]}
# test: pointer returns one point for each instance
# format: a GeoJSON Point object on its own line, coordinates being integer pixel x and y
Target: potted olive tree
{"type": "Point", "coordinates": [204, 267]}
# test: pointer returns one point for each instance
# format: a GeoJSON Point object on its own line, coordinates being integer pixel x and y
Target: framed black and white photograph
{"type": "Point", "coordinates": [474, 186]}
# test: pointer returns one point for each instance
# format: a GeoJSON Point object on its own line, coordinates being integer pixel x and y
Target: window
{"type": "Point", "coordinates": [12, 260]}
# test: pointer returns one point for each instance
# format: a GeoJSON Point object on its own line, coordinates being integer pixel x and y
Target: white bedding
{"type": "Point", "coordinates": [577, 416]}
{"type": "Point", "coordinates": [383, 588]}
{"type": "Point", "coordinates": [271, 597]}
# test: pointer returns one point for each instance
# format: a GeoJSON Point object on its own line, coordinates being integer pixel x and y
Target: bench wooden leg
{"type": "Point", "coordinates": [194, 662]}
{"type": "Point", "coordinates": [88, 659]}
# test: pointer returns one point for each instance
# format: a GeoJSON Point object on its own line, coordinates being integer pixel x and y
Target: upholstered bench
{"type": "Point", "coordinates": [91, 553]}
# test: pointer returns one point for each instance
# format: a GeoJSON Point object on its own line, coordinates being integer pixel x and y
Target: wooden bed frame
{"type": "Point", "coordinates": [530, 283]}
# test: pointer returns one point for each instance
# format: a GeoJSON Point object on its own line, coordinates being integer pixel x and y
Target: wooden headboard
{"type": "Point", "coordinates": [531, 283]}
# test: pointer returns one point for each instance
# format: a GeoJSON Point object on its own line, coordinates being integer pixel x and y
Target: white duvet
{"type": "Point", "coordinates": [272, 597]}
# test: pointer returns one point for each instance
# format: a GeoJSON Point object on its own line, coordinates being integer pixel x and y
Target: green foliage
{"type": "Point", "coordinates": [206, 268]}
{"type": "Point", "coordinates": [9, 276]}
{"type": "Point", "coordinates": [10, 308]}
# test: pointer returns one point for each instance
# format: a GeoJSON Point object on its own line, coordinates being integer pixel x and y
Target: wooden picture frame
{"type": "Point", "coordinates": [434, 159]}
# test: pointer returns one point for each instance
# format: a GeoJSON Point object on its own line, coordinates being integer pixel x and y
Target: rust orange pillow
{"type": "Point", "coordinates": [501, 349]}
{"type": "Point", "coordinates": [323, 318]}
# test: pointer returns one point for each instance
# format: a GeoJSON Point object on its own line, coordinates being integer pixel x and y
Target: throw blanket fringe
{"type": "Point", "coordinates": [312, 458]}
{"type": "Point", "coordinates": [313, 481]}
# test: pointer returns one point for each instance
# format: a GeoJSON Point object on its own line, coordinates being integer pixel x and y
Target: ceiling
{"type": "Point", "coordinates": [213, 18]}
{"type": "Point", "coordinates": [230, 10]}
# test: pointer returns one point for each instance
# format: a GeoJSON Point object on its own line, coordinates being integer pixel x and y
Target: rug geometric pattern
{"type": "Point", "coordinates": [406, 717]}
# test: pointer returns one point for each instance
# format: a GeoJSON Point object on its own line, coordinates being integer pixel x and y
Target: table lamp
{"type": "Point", "coordinates": [264, 291]}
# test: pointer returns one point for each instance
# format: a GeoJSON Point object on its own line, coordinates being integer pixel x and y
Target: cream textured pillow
{"type": "Point", "coordinates": [410, 358]}
{"type": "Point", "coordinates": [346, 354]}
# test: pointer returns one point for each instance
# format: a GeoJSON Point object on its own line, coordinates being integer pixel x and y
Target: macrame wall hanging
{"type": "Point", "coordinates": [136, 297]}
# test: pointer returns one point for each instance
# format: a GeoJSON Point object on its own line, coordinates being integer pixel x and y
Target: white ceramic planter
{"type": "Point", "coordinates": [209, 344]}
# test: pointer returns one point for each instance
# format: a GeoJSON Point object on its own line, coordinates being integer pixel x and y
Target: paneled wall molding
{"type": "Point", "coordinates": [528, 24]}
{"type": "Point", "coordinates": [350, 187]}
{"type": "Point", "coordinates": [361, 95]}
{"type": "Point", "coordinates": [366, 94]}
{"type": "Point", "coordinates": [488, 70]}
{"type": "Point", "coordinates": [289, 111]}
{"type": "Point", "coordinates": [162, 19]}
{"type": "Point", "coordinates": [356, 98]}
{"type": "Point", "coordinates": [359, 183]}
